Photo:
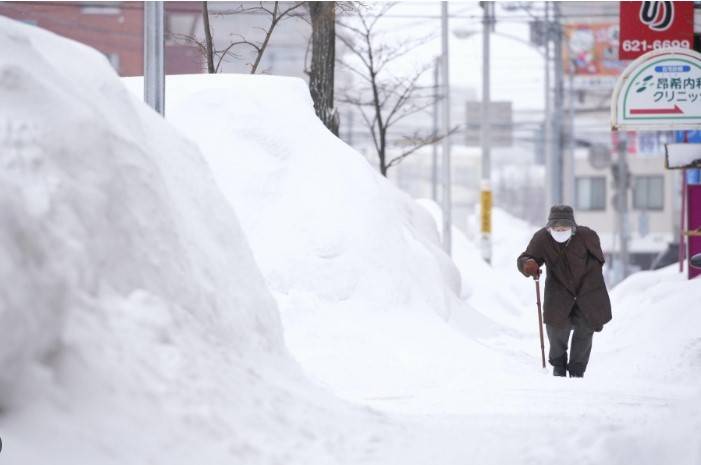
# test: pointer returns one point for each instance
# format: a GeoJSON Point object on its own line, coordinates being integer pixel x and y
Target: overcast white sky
{"type": "Point", "coordinates": [517, 68]}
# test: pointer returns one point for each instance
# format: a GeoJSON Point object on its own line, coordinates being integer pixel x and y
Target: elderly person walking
{"type": "Point", "coordinates": [576, 299]}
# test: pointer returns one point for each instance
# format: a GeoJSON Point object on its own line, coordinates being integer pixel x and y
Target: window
{"type": "Point", "coordinates": [648, 193]}
{"type": "Point", "coordinates": [590, 193]}
{"type": "Point", "coordinates": [100, 8]}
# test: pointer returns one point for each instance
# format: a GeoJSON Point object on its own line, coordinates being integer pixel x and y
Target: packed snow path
{"type": "Point", "coordinates": [639, 402]}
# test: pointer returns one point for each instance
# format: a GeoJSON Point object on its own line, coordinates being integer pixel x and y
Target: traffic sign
{"type": "Point", "coordinates": [659, 90]}
{"type": "Point", "coordinates": [647, 26]}
{"type": "Point", "coordinates": [500, 128]}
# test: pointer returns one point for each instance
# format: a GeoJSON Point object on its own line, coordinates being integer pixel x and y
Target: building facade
{"type": "Point", "coordinates": [116, 29]}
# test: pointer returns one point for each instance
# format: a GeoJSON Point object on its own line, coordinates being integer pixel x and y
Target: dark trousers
{"type": "Point", "coordinates": [582, 335]}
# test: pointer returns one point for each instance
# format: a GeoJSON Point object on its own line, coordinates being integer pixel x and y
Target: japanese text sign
{"type": "Point", "coordinates": [659, 90]}
{"type": "Point", "coordinates": [647, 26]}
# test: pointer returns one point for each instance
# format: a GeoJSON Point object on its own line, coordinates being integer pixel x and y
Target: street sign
{"type": "Point", "coordinates": [659, 90]}
{"type": "Point", "coordinates": [486, 212]}
{"type": "Point", "coordinates": [647, 26]}
{"type": "Point", "coordinates": [500, 129]}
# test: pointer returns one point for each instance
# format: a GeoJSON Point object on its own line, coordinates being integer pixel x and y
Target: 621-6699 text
{"type": "Point", "coordinates": [632, 45]}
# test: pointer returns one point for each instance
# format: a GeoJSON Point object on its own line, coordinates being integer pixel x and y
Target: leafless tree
{"type": "Point", "coordinates": [275, 11]}
{"type": "Point", "coordinates": [323, 61]}
{"type": "Point", "coordinates": [384, 99]}
{"type": "Point", "coordinates": [209, 44]}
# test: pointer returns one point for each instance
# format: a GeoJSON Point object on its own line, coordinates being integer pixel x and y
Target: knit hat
{"type": "Point", "coordinates": [562, 216]}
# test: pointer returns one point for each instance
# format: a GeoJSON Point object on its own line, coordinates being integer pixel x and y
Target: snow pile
{"type": "Point", "coordinates": [498, 290]}
{"type": "Point", "coordinates": [355, 264]}
{"type": "Point", "coordinates": [653, 347]}
{"type": "Point", "coordinates": [136, 327]}
{"type": "Point", "coordinates": [654, 335]}
{"type": "Point", "coordinates": [100, 197]}
{"type": "Point", "coordinates": [316, 212]}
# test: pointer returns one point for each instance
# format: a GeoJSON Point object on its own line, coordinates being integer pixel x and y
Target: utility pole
{"type": "Point", "coordinates": [547, 125]}
{"type": "Point", "coordinates": [558, 104]}
{"type": "Point", "coordinates": [570, 178]}
{"type": "Point", "coordinates": [349, 124]}
{"type": "Point", "coordinates": [434, 146]}
{"type": "Point", "coordinates": [154, 56]}
{"type": "Point", "coordinates": [485, 139]}
{"type": "Point", "coordinates": [447, 213]}
{"type": "Point", "coordinates": [622, 203]}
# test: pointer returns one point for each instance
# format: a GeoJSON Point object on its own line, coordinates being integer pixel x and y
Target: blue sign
{"type": "Point", "coordinates": [673, 69]}
{"type": "Point", "coordinates": [693, 176]}
{"type": "Point", "coordinates": [693, 137]}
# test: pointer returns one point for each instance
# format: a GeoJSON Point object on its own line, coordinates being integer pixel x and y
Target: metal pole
{"type": "Point", "coordinates": [547, 125]}
{"type": "Point", "coordinates": [572, 140]}
{"type": "Point", "coordinates": [447, 214]}
{"type": "Point", "coordinates": [434, 147]}
{"type": "Point", "coordinates": [623, 203]}
{"type": "Point", "coordinates": [682, 222]}
{"type": "Point", "coordinates": [154, 56]}
{"type": "Point", "coordinates": [486, 185]}
{"type": "Point", "coordinates": [682, 225]}
{"type": "Point", "coordinates": [558, 103]}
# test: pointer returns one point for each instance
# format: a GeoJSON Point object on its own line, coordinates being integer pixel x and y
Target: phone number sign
{"type": "Point", "coordinates": [659, 90]}
{"type": "Point", "coordinates": [647, 26]}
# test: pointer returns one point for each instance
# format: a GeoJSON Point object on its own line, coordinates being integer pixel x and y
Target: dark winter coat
{"type": "Point", "coordinates": [574, 276]}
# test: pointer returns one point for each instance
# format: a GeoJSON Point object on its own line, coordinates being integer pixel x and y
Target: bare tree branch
{"type": "Point", "coordinates": [419, 142]}
{"type": "Point", "coordinates": [211, 54]}
{"type": "Point", "coordinates": [389, 99]}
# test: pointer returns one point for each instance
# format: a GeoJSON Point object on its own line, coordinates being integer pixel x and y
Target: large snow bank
{"type": "Point", "coordinates": [355, 264]}
{"type": "Point", "coordinates": [657, 318]}
{"type": "Point", "coordinates": [135, 325]}
{"type": "Point", "coordinates": [100, 196]}
{"type": "Point", "coordinates": [314, 209]}
{"type": "Point", "coordinates": [653, 346]}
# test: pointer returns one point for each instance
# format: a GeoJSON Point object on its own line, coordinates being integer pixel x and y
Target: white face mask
{"type": "Point", "coordinates": [561, 236]}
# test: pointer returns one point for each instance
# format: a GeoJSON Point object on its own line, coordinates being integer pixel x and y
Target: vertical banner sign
{"type": "Point", "coordinates": [647, 26]}
{"type": "Point", "coordinates": [486, 212]}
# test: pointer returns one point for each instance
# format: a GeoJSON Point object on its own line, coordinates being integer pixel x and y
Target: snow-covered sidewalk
{"type": "Point", "coordinates": [345, 255]}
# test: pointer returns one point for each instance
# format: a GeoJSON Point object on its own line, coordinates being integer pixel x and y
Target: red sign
{"type": "Point", "coordinates": [592, 50]}
{"type": "Point", "coordinates": [647, 26]}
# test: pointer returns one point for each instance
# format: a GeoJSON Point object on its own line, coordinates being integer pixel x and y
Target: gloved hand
{"type": "Point", "coordinates": [531, 268]}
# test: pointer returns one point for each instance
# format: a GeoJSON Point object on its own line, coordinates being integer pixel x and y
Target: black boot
{"type": "Point", "coordinates": [559, 370]}
{"type": "Point", "coordinates": [559, 366]}
{"type": "Point", "coordinates": [576, 370]}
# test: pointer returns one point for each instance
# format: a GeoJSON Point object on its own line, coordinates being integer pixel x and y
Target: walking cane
{"type": "Point", "coordinates": [540, 318]}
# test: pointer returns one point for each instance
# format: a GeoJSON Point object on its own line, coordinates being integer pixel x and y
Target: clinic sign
{"type": "Point", "coordinates": [648, 26]}
{"type": "Point", "coordinates": [660, 90]}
